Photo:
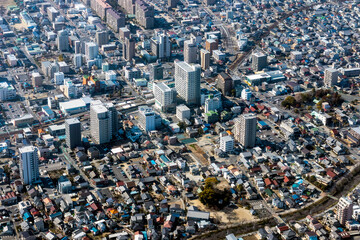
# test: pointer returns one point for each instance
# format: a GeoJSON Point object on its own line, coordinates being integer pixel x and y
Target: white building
{"type": "Point", "coordinates": [163, 95]}
{"type": "Point", "coordinates": [212, 104]}
{"type": "Point", "coordinates": [344, 210]}
{"type": "Point", "coordinates": [59, 78]}
{"type": "Point", "coordinates": [161, 46]}
{"type": "Point", "coordinates": [110, 75]}
{"type": "Point", "coordinates": [100, 124]}
{"type": "Point", "coordinates": [7, 91]}
{"type": "Point", "coordinates": [187, 82]}
{"type": "Point", "coordinates": [190, 51]}
{"type": "Point", "coordinates": [62, 41]}
{"type": "Point", "coordinates": [77, 60]}
{"type": "Point", "coordinates": [245, 130]}
{"type": "Point", "coordinates": [183, 112]}
{"type": "Point", "coordinates": [146, 118]}
{"type": "Point", "coordinates": [29, 164]}
{"type": "Point", "coordinates": [246, 94]}
{"type": "Point", "coordinates": [91, 50]}
{"type": "Point", "coordinates": [226, 144]}
{"type": "Point", "coordinates": [12, 60]}
{"type": "Point", "coordinates": [330, 77]}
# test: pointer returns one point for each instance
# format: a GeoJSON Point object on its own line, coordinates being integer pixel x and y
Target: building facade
{"type": "Point", "coordinates": [29, 164]}
{"type": "Point", "coordinates": [245, 130]}
{"type": "Point", "coordinates": [187, 82]}
{"type": "Point", "coordinates": [100, 124]}
{"type": "Point", "coordinates": [73, 132]}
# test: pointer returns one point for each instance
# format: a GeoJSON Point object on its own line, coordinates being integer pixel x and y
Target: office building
{"type": "Point", "coordinates": [156, 71]}
{"type": "Point", "coordinates": [330, 77]}
{"type": "Point", "coordinates": [245, 130]}
{"type": "Point", "coordinates": [144, 14]}
{"type": "Point", "coordinates": [124, 33]}
{"type": "Point", "coordinates": [91, 50]}
{"type": "Point", "coordinates": [183, 112]}
{"type": "Point", "coordinates": [101, 37]}
{"type": "Point", "coordinates": [259, 61]}
{"type": "Point", "coordinates": [115, 20]}
{"type": "Point", "coordinates": [226, 144]}
{"type": "Point", "coordinates": [100, 123]}
{"type": "Point", "coordinates": [62, 41]}
{"type": "Point", "coordinates": [37, 79]}
{"type": "Point", "coordinates": [7, 91]}
{"type": "Point", "coordinates": [211, 45]}
{"type": "Point", "coordinates": [29, 164]}
{"type": "Point", "coordinates": [59, 78]}
{"type": "Point", "coordinates": [190, 51]}
{"type": "Point", "coordinates": [344, 210]}
{"type": "Point", "coordinates": [77, 60]}
{"type": "Point", "coordinates": [52, 13]}
{"type": "Point", "coordinates": [77, 47]}
{"type": "Point", "coordinates": [187, 82]}
{"type": "Point", "coordinates": [205, 59]}
{"type": "Point", "coordinates": [224, 83]}
{"type": "Point", "coordinates": [163, 96]}
{"type": "Point", "coordinates": [161, 46]}
{"type": "Point", "coordinates": [114, 118]}
{"type": "Point", "coordinates": [129, 49]}
{"type": "Point", "coordinates": [246, 94]}
{"type": "Point", "coordinates": [212, 104]}
{"type": "Point", "coordinates": [146, 118]}
{"type": "Point", "coordinates": [73, 132]}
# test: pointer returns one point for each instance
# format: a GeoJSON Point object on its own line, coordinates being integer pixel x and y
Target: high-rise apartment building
{"type": "Point", "coordinates": [245, 130]}
{"type": "Point", "coordinates": [226, 143]}
{"type": "Point", "coordinates": [344, 210]}
{"type": "Point", "coordinates": [163, 96]}
{"type": "Point", "coordinates": [73, 132]}
{"type": "Point", "coordinates": [146, 118]}
{"type": "Point", "coordinates": [100, 123]}
{"type": "Point", "coordinates": [190, 51]}
{"type": "Point", "coordinates": [156, 71]}
{"type": "Point", "coordinates": [205, 59]}
{"type": "Point", "coordinates": [101, 37]}
{"type": "Point", "coordinates": [91, 50]}
{"type": "Point", "coordinates": [29, 164]}
{"type": "Point", "coordinates": [115, 20]}
{"type": "Point", "coordinates": [160, 46]}
{"type": "Point", "coordinates": [187, 82]}
{"type": "Point", "coordinates": [114, 117]}
{"type": "Point", "coordinates": [144, 14]}
{"type": "Point", "coordinates": [62, 41]}
{"type": "Point", "coordinates": [259, 61]}
{"type": "Point", "coordinates": [129, 49]}
{"type": "Point", "coordinates": [330, 77]}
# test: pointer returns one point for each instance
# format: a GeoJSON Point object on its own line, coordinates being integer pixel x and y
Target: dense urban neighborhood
{"type": "Point", "coordinates": [179, 119]}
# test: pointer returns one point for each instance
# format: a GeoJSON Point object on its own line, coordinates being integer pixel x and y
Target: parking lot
{"type": "Point", "coordinates": [12, 110]}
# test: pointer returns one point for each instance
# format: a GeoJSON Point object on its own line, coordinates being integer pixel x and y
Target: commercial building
{"type": "Point", "coordinates": [163, 96]}
{"type": "Point", "coordinates": [52, 13]}
{"type": "Point", "coordinates": [330, 77]}
{"type": "Point", "coordinates": [129, 49]}
{"type": "Point", "coordinates": [7, 91]}
{"type": "Point", "coordinates": [73, 132]}
{"type": "Point", "coordinates": [124, 33]}
{"type": "Point", "coordinates": [100, 124]}
{"type": "Point", "coordinates": [114, 118]}
{"type": "Point", "coordinates": [156, 71]}
{"type": "Point", "coordinates": [212, 103]}
{"type": "Point", "coordinates": [245, 130]}
{"type": "Point", "coordinates": [59, 78]}
{"type": "Point", "coordinates": [144, 14]}
{"type": "Point", "coordinates": [183, 112]}
{"type": "Point", "coordinates": [211, 45]}
{"type": "Point", "coordinates": [36, 79]}
{"type": "Point", "coordinates": [190, 51]}
{"type": "Point", "coordinates": [101, 37]}
{"type": "Point", "coordinates": [344, 210]}
{"type": "Point", "coordinates": [78, 60]}
{"type": "Point", "coordinates": [12, 60]}
{"type": "Point", "coordinates": [62, 41]}
{"type": "Point", "coordinates": [205, 59]}
{"type": "Point", "coordinates": [115, 20]}
{"type": "Point", "coordinates": [226, 144]}
{"type": "Point", "coordinates": [259, 61]}
{"type": "Point", "coordinates": [29, 164]}
{"type": "Point", "coordinates": [91, 50]}
{"type": "Point", "coordinates": [146, 118]}
{"type": "Point", "coordinates": [246, 94]}
{"type": "Point", "coordinates": [187, 82]}
{"type": "Point", "coordinates": [224, 83]}
{"type": "Point", "coordinates": [160, 46]}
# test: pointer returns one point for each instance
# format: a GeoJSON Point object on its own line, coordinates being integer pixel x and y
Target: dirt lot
{"type": "Point", "coordinates": [199, 154]}
{"type": "Point", "coordinates": [251, 237]}
{"type": "Point", "coordinates": [6, 3]}
{"type": "Point", "coordinates": [227, 215]}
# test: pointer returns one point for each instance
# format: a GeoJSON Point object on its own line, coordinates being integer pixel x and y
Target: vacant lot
{"type": "Point", "coordinates": [5, 3]}
{"type": "Point", "coordinates": [199, 154]}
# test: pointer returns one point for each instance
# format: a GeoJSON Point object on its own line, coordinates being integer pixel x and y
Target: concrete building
{"type": "Point", "coordinates": [59, 78]}
{"type": "Point", "coordinates": [183, 112]}
{"type": "Point", "coordinates": [124, 33]}
{"type": "Point", "coordinates": [91, 50]}
{"type": "Point", "coordinates": [344, 210]}
{"type": "Point", "coordinates": [101, 37]}
{"type": "Point", "coordinates": [100, 124]}
{"type": "Point", "coordinates": [12, 60]}
{"type": "Point", "coordinates": [52, 13]}
{"type": "Point", "coordinates": [163, 96]}
{"type": "Point", "coordinates": [209, 2]}
{"type": "Point", "coordinates": [172, 4]}
{"type": "Point", "coordinates": [205, 59]}
{"type": "Point", "coordinates": [114, 118]}
{"type": "Point", "coordinates": [156, 71]}
{"type": "Point", "coordinates": [100, 7]}
{"type": "Point", "coordinates": [7, 91]}
{"type": "Point", "coordinates": [77, 61]}
{"type": "Point", "coordinates": [246, 94]}
{"type": "Point", "coordinates": [190, 51]}
{"type": "Point", "coordinates": [227, 144]}
{"type": "Point", "coordinates": [29, 164]}
{"type": "Point", "coordinates": [330, 77]}
{"type": "Point", "coordinates": [73, 132]}
{"type": "Point", "coordinates": [224, 83]}
{"type": "Point", "coordinates": [212, 104]}
{"type": "Point", "coordinates": [115, 20]}
{"type": "Point", "coordinates": [144, 14]}
{"type": "Point", "coordinates": [146, 118]}
{"type": "Point", "coordinates": [62, 41]}
{"type": "Point", "coordinates": [259, 61]}
{"type": "Point", "coordinates": [161, 46]}
{"type": "Point", "coordinates": [129, 49]}
{"type": "Point", "coordinates": [211, 45]}
{"type": "Point", "coordinates": [187, 82]}
{"type": "Point", "coordinates": [245, 130]}
{"type": "Point", "coordinates": [37, 79]}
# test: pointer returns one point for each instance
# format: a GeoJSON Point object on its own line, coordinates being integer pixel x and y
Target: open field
{"type": "Point", "coordinates": [5, 3]}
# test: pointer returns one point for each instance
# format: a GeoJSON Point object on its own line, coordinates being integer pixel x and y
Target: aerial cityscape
{"type": "Point", "coordinates": [179, 119]}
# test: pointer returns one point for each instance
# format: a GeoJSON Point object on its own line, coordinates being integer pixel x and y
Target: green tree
{"type": "Point", "coordinates": [288, 102]}
{"type": "Point", "coordinates": [182, 125]}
